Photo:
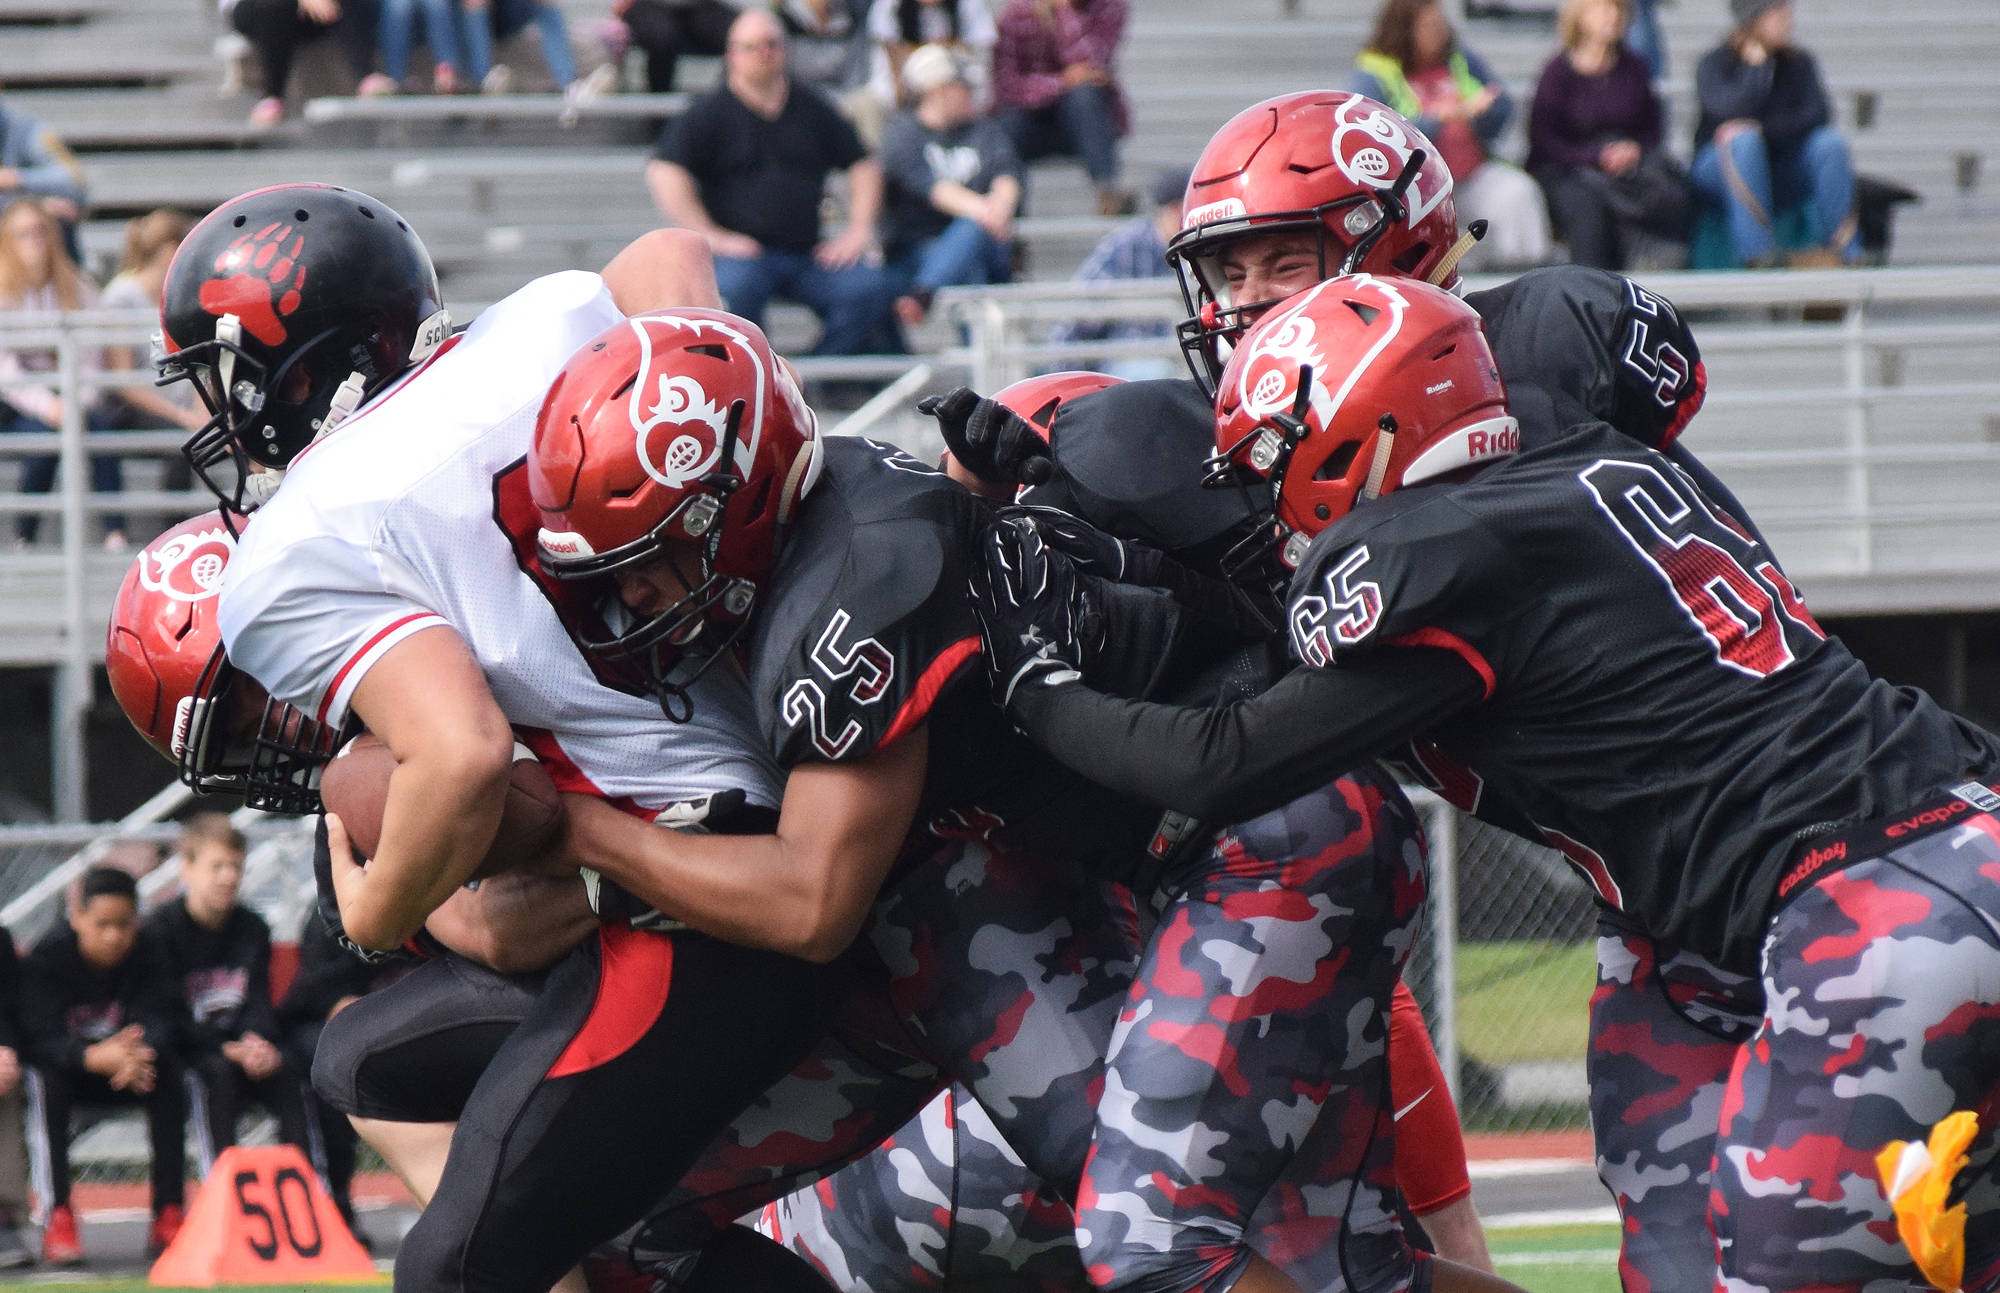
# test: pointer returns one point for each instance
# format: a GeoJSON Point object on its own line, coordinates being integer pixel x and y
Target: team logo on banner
{"type": "Point", "coordinates": [187, 567]}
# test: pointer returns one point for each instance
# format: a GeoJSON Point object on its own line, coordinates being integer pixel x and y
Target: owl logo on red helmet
{"type": "Point", "coordinates": [679, 428]}
{"type": "Point", "coordinates": [1267, 382]}
{"type": "Point", "coordinates": [187, 567]}
{"type": "Point", "coordinates": [1371, 146]}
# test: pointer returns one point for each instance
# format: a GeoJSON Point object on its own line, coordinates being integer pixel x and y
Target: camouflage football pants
{"type": "Point", "coordinates": [1882, 992]}
{"type": "Point", "coordinates": [943, 1204]}
{"type": "Point", "coordinates": [1664, 1029]}
{"type": "Point", "coordinates": [1230, 1088]}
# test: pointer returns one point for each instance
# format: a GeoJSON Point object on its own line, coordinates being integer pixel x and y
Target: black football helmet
{"type": "Point", "coordinates": [288, 308]}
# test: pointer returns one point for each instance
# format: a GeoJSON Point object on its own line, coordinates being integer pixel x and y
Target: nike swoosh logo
{"type": "Point", "coordinates": [1414, 1103]}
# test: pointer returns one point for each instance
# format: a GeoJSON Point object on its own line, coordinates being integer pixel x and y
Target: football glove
{"type": "Point", "coordinates": [989, 439]}
{"type": "Point", "coordinates": [1038, 617]}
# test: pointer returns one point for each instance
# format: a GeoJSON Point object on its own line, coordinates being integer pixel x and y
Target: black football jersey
{"type": "Point", "coordinates": [1658, 700]}
{"type": "Point", "coordinates": [866, 630]}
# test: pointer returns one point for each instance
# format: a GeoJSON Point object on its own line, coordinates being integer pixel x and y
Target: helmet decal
{"type": "Point", "coordinates": [1264, 384]}
{"type": "Point", "coordinates": [1372, 144]}
{"type": "Point", "coordinates": [678, 404]}
{"type": "Point", "coordinates": [187, 567]}
{"type": "Point", "coordinates": [258, 277]}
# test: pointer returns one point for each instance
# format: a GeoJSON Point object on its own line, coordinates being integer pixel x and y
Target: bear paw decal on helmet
{"type": "Point", "coordinates": [258, 278]}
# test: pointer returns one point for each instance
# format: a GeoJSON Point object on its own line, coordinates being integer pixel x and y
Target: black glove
{"type": "Point", "coordinates": [990, 440]}
{"type": "Point", "coordinates": [1038, 617]}
{"type": "Point", "coordinates": [1093, 550]}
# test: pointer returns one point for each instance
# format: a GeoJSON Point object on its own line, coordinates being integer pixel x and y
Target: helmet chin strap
{"type": "Point", "coordinates": [1449, 261]}
{"type": "Point", "coordinates": [1385, 444]}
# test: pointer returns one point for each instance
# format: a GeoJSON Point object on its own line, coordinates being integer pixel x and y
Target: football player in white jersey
{"type": "Point", "coordinates": [372, 580]}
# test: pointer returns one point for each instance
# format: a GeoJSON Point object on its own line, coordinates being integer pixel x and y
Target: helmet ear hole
{"type": "Point", "coordinates": [1338, 462]}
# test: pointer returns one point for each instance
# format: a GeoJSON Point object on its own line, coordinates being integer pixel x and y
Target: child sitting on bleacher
{"type": "Point", "coordinates": [216, 958]}
{"type": "Point", "coordinates": [98, 1029]}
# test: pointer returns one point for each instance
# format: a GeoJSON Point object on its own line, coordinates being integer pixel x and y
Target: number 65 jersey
{"type": "Point", "coordinates": [1658, 699]}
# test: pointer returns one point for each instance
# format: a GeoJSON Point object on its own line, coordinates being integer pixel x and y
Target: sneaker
{"type": "Point", "coordinates": [14, 1250]}
{"type": "Point", "coordinates": [60, 1246]}
{"type": "Point", "coordinates": [114, 541]}
{"type": "Point", "coordinates": [1116, 202]}
{"type": "Point", "coordinates": [444, 79]}
{"type": "Point", "coordinates": [377, 85]}
{"type": "Point", "coordinates": [498, 80]}
{"type": "Point", "coordinates": [267, 113]}
{"type": "Point", "coordinates": [587, 89]}
{"type": "Point", "coordinates": [166, 1224]}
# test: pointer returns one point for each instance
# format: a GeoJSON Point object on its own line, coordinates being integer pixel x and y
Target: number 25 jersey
{"type": "Point", "coordinates": [1658, 699]}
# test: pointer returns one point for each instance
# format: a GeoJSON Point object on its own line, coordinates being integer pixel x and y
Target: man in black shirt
{"type": "Point", "coordinates": [1616, 657]}
{"type": "Point", "coordinates": [745, 166]}
{"type": "Point", "coordinates": [953, 181]}
{"type": "Point", "coordinates": [216, 956]}
{"type": "Point", "coordinates": [99, 1031]}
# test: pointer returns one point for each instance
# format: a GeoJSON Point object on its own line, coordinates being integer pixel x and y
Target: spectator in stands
{"type": "Point", "coordinates": [1766, 140]}
{"type": "Point", "coordinates": [395, 34]}
{"type": "Point", "coordinates": [667, 29]}
{"type": "Point", "coordinates": [896, 28]}
{"type": "Point", "coordinates": [1414, 63]}
{"type": "Point", "coordinates": [35, 163]}
{"type": "Point", "coordinates": [745, 166]}
{"type": "Point", "coordinates": [489, 20]}
{"type": "Point", "coordinates": [953, 185]}
{"type": "Point", "coordinates": [1644, 38]}
{"type": "Point", "coordinates": [150, 243]}
{"type": "Point", "coordinates": [276, 29]}
{"type": "Point", "coordinates": [37, 275]}
{"type": "Point", "coordinates": [826, 46]}
{"type": "Point", "coordinates": [330, 979]}
{"type": "Point", "coordinates": [216, 956]}
{"type": "Point", "coordinates": [14, 1250]}
{"type": "Point", "coordinates": [97, 1019]}
{"type": "Point", "coordinates": [1136, 249]}
{"type": "Point", "coordinates": [1594, 145]}
{"type": "Point", "coordinates": [1055, 87]}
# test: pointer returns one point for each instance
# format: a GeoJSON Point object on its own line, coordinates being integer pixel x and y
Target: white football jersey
{"type": "Point", "coordinates": [386, 527]}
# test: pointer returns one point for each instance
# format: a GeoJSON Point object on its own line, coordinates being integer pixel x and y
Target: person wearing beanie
{"type": "Point", "coordinates": [1766, 142]}
{"type": "Point", "coordinates": [952, 185]}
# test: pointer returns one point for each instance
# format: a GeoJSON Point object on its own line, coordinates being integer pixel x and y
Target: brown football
{"type": "Point", "coordinates": [356, 785]}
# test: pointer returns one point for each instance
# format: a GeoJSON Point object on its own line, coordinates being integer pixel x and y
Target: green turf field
{"type": "Point", "coordinates": [1525, 1000]}
{"type": "Point", "coordinates": [1558, 1259]}
{"type": "Point", "coordinates": [1544, 1259]}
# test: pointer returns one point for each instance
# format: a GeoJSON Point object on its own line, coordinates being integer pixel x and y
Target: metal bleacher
{"type": "Point", "coordinates": [506, 188]}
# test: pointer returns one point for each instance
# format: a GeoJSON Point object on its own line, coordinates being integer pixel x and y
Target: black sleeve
{"type": "Point", "coordinates": [161, 1007]}
{"type": "Point", "coordinates": [10, 993]}
{"type": "Point", "coordinates": [44, 1007]}
{"type": "Point", "coordinates": [1730, 89]}
{"type": "Point", "coordinates": [258, 1016]}
{"type": "Point", "coordinates": [1230, 764]}
{"type": "Point", "coordinates": [1152, 641]}
{"type": "Point", "coordinates": [843, 146]}
{"type": "Point", "coordinates": [1803, 109]}
{"type": "Point", "coordinates": [686, 140]}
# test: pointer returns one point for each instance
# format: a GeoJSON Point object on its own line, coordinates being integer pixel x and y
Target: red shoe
{"type": "Point", "coordinates": [166, 1224]}
{"type": "Point", "coordinates": [60, 1246]}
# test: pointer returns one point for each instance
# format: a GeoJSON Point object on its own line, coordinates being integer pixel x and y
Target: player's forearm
{"type": "Point", "coordinates": [747, 889]}
{"type": "Point", "coordinates": [515, 923]}
{"type": "Point", "coordinates": [439, 820]}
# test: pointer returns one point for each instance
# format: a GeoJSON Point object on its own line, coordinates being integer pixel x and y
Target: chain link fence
{"type": "Point", "coordinates": [1514, 1004]}
{"type": "Point", "coordinates": [39, 865]}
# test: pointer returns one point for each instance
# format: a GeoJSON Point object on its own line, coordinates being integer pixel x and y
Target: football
{"type": "Point", "coordinates": [355, 785]}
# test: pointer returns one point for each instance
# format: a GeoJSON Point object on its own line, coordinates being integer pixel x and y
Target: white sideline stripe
{"type": "Point", "coordinates": [1496, 1168]}
{"type": "Point", "coordinates": [114, 1216]}
{"type": "Point", "coordinates": [1561, 1257]}
{"type": "Point", "coordinates": [1604, 1216]}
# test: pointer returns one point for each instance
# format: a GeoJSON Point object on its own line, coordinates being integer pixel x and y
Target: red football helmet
{"type": "Point", "coordinates": [164, 655]}
{"type": "Point", "coordinates": [1351, 389]}
{"type": "Point", "coordinates": [679, 427]}
{"type": "Point", "coordinates": [1039, 399]}
{"type": "Point", "coordinates": [1321, 162]}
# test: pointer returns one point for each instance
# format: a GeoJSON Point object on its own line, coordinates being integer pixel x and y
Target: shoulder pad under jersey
{"type": "Point", "coordinates": [866, 619]}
